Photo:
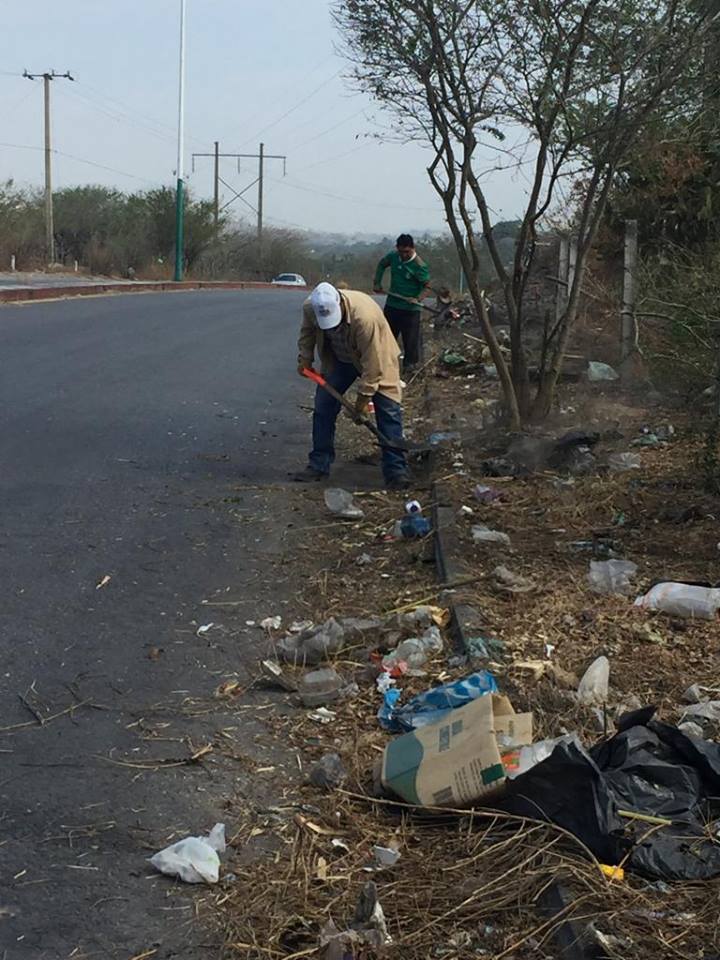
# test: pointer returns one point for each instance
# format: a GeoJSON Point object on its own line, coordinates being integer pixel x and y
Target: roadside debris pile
{"type": "Point", "coordinates": [549, 785]}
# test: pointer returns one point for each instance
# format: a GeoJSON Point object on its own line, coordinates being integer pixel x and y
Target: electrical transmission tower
{"type": "Point", "coordinates": [49, 228]}
{"type": "Point", "coordinates": [261, 157]}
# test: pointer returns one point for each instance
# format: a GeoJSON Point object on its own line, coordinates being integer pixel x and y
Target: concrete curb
{"type": "Point", "coordinates": [24, 294]}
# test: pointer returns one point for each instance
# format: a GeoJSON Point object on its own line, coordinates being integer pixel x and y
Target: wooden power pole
{"type": "Point", "coordinates": [49, 225]}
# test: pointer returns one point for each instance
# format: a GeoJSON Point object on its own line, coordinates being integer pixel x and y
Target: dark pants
{"type": "Point", "coordinates": [388, 416]}
{"type": "Point", "coordinates": [406, 324]}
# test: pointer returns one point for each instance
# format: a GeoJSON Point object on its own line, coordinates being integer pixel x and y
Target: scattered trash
{"type": "Point", "coordinates": [452, 359]}
{"type": "Point", "coordinates": [228, 689]}
{"type": "Point", "coordinates": [412, 507]}
{"type": "Point", "coordinates": [104, 582]}
{"type": "Point", "coordinates": [455, 763]}
{"type": "Point", "coordinates": [649, 774]}
{"type": "Point", "coordinates": [271, 623]}
{"type": "Point", "coordinates": [413, 527]}
{"type": "Point", "coordinates": [434, 705]}
{"type": "Point", "coordinates": [598, 371]}
{"type": "Point", "coordinates": [313, 645]}
{"type": "Point", "coordinates": [490, 371]}
{"type": "Point", "coordinates": [364, 560]}
{"type": "Point", "coordinates": [415, 651]}
{"type": "Point", "coordinates": [319, 687]}
{"type": "Point", "coordinates": [322, 715]}
{"type": "Point", "coordinates": [621, 462]}
{"type": "Point", "coordinates": [504, 580]}
{"type": "Point", "coordinates": [682, 600]}
{"type": "Point", "coordinates": [204, 629]}
{"type": "Point", "coordinates": [368, 929]}
{"type": "Point", "coordinates": [487, 494]}
{"type": "Point", "coordinates": [341, 503]}
{"type": "Point", "coordinates": [481, 533]}
{"type": "Point", "coordinates": [593, 687]}
{"type": "Point", "coordinates": [709, 710]}
{"type": "Point", "coordinates": [530, 755]}
{"type": "Point", "coordinates": [484, 648]}
{"type": "Point", "coordinates": [297, 626]}
{"type": "Point", "coordinates": [691, 729]}
{"type": "Point", "coordinates": [612, 576]}
{"type": "Point", "coordinates": [442, 436]}
{"type": "Point", "coordinates": [386, 712]}
{"type": "Point", "coordinates": [498, 467]}
{"type": "Point", "coordinates": [465, 511]}
{"type": "Point", "coordinates": [194, 859]}
{"type": "Point", "coordinates": [383, 859]}
{"type": "Point", "coordinates": [273, 673]}
{"type": "Point", "coordinates": [328, 773]}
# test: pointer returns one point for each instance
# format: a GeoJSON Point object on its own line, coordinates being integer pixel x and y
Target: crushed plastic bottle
{"type": "Point", "coordinates": [682, 600]}
{"type": "Point", "coordinates": [612, 576]}
{"type": "Point", "coordinates": [320, 687]}
{"type": "Point", "coordinates": [621, 462]}
{"type": "Point", "coordinates": [415, 651]}
{"type": "Point", "coordinates": [341, 503]}
{"type": "Point", "coordinates": [594, 686]}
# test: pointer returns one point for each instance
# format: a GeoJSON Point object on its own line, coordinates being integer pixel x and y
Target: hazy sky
{"type": "Point", "coordinates": [256, 70]}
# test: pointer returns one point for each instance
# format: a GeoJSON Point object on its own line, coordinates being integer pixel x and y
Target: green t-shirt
{"type": "Point", "coordinates": [407, 277]}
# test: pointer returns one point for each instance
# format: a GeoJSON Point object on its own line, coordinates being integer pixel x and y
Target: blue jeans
{"type": "Point", "coordinates": [388, 416]}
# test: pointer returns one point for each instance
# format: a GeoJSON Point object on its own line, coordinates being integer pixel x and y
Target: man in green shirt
{"type": "Point", "coordinates": [409, 282]}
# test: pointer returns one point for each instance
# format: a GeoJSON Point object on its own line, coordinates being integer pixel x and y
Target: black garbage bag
{"type": "Point", "coordinates": [647, 767]}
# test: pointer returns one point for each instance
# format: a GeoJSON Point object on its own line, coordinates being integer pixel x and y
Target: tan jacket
{"type": "Point", "coordinates": [370, 340]}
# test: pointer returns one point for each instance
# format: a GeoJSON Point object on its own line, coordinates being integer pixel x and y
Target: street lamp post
{"type": "Point", "coordinates": [180, 186]}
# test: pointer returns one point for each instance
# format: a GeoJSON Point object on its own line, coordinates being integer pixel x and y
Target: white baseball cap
{"type": "Point", "coordinates": [325, 301]}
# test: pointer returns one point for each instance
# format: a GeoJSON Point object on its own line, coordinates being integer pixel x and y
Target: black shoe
{"type": "Point", "coordinates": [401, 482]}
{"type": "Point", "coordinates": [308, 475]}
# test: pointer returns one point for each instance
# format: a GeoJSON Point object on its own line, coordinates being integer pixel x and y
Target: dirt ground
{"type": "Point", "coordinates": [474, 885]}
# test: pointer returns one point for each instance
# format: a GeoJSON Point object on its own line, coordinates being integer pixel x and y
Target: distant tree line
{"type": "Point", "coordinates": [113, 233]}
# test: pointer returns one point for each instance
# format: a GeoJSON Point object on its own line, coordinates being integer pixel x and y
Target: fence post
{"type": "Point", "coordinates": [628, 325]}
{"type": "Point", "coordinates": [561, 288]}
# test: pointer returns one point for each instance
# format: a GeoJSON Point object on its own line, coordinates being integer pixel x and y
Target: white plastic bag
{"type": "Point", "coordinates": [594, 686]}
{"type": "Point", "coordinates": [481, 533]}
{"type": "Point", "coordinates": [194, 859]}
{"type": "Point", "coordinates": [612, 576]}
{"type": "Point", "coordinates": [682, 600]}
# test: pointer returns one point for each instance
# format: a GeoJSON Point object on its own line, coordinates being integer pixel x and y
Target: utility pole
{"type": "Point", "coordinates": [217, 188]}
{"type": "Point", "coordinates": [261, 157]}
{"type": "Point", "coordinates": [180, 188]}
{"type": "Point", "coordinates": [49, 225]}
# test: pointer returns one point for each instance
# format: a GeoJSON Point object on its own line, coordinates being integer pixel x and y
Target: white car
{"type": "Point", "coordinates": [289, 280]}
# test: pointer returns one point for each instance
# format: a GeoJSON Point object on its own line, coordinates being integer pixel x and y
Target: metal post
{"type": "Point", "coordinates": [628, 335]}
{"type": "Point", "coordinates": [217, 187]}
{"type": "Point", "coordinates": [49, 227]}
{"type": "Point", "coordinates": [260, 192]}
{"type": "Point", "coordinates": [562, 289]}
{"type": "Point", "coordinates": [179, 195]}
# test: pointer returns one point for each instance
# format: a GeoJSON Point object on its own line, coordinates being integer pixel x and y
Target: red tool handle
{"type": "Point", "coordinates": [314, 375]}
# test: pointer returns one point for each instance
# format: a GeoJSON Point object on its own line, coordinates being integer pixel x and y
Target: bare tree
{"type": "Point", "coordinates": [579, 81]}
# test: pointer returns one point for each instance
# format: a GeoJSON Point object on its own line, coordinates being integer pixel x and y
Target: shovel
{"type": "Point", "coordinates": [382, 440]}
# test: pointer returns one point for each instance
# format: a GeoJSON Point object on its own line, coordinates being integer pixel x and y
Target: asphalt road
{"type": "Point", "coordinates": [135, 432]}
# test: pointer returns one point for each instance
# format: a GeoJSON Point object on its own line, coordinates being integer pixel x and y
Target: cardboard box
{"type": "Point", "coordinates": [458, 760]}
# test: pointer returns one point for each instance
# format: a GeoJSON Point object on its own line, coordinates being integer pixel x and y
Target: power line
{"type": "Point", "coordinates": [364, 201]}
{"type": "Point", "coordinates": [70, 156]}
{"type": "Point", "coordinates": [118, 117]}
{"type": "Point", "coordinates": [292, 109]}
{"type": "Point", "coordinates": [337, 156]}
{"type": "Point", "coordinates": [334, 127]}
